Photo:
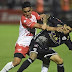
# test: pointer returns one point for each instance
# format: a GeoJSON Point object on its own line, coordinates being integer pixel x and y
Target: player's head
{"type": "Point", "coordinates": [26, 8]}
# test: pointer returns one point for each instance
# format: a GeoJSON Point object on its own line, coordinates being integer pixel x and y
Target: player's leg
{"type": "Point", "coordinates": [45, 60]}
{"type": "Point", "coordinates": [8, 66]}
{"type": "Point", "coordinates": [11, 64]}
{"type": "Point", "coordinates": [59, 61]}
{"type": "Point", "coordinates": [45, 65]}
{"type": "Point", "coordinates": [54, 57]}
{"type": "Point", "coordinates": [32, 57]}
{"type": "Point", "coordinates": [17, 58]}
{"type": "Point", "coordinates": [27, 62]}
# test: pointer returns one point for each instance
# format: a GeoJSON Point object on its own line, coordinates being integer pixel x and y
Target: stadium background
{"type": "Point", "coordinates": [10, 13]}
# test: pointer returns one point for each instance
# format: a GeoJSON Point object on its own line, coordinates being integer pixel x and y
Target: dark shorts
{"type": "Point", "coordinates": [46, 55]}
{"type": "Point", "coordinates": [19, 55]}
{"type": "Point", "coordinates": [43, 54]}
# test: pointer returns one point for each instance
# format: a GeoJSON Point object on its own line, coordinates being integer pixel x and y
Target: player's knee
{"type": "Point", "coordinates": [60, 61]}
{"type": "Point", "coordinates": [17, 62]}
{"type": "Point", "coordinates": [33, 56]}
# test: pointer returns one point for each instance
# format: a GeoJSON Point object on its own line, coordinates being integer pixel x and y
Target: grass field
{"type": "Point", "coordinates": [8, 37]}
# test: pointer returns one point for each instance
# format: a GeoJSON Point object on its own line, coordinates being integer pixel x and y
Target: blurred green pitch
{"type": "Point", "coordinates": [8, 37]}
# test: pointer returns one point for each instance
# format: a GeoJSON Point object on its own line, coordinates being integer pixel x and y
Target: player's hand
{"type": "Point", "coordinates": [60, 29]}
{"type": "Point", "coordinates": [66, 29]}
{"type": "Point", "coordinates": [43, 16]}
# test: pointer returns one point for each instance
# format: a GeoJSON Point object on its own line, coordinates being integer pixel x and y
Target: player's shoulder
{"type": "Point", "coordinates": [34, 13]}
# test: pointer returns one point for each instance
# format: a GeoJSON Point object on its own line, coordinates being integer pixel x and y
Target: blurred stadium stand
{"type": "Point", "coordinates": [10, 10]}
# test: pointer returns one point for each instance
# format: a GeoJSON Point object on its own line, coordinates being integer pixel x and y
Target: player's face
{"type": "Point", "coordinates": [27, 12]}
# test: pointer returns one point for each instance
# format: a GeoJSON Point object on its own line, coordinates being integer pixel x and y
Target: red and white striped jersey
{"type": "Point", "coordinates": [26, 30]}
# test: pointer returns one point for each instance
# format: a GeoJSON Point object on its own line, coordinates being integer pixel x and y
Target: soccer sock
{"type": "Point", "coordinates": [7, 67]}
{"type": "Point", "coordinates": [45, 65]}
{"type": "Point", "coordinates": [44, 69]}
{"type": "Point", "coordinates": [25, 64]}
{"type": "Point", "coordinates": [60, 67]}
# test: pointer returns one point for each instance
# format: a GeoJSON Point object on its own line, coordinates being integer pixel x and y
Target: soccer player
{"type": "Point", "coordinates": [41, 44]}
{"type": "Point", "coordinates": [52, 56]}
{"type": "Point", "coordinates": [28, 23]}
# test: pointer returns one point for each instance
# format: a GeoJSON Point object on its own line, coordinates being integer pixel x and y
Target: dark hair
{"type": "Point", "coordinates": [26, 4]}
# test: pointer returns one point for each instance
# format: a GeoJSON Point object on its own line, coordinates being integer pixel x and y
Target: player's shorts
{"type": "Point", "coordinates": [21, 50]}
{"type": "Point", "coordinates": [42, 53]}
{"type": "Point", "coordinates": [46, 55]}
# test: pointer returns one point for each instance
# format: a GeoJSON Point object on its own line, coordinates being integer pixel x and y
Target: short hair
{"type": "Point", "coordinates": [26, 4]}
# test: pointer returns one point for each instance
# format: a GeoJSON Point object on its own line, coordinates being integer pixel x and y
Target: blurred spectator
{"type": "Point", "coordinates": [40, 6]}
{"type": "Point", "coordinates": [56, 8]}
{"type": "Point", "coordinates": [70, 2]}
{"type": "Point", "coordinates": [11, 4]}
{"type": "Point", "coordinates": [2, 4]}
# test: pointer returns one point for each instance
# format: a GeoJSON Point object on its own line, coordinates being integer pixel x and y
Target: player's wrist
{"type": "Point", "coordinates": [55, 28]}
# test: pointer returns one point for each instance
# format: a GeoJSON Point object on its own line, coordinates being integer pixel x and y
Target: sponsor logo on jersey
{"type": "Point", "coordinates": [19, 49]}
{"type": "Point", "coordinates": [24, 21]}
{"type": "Point", "coordinates": [29, 23]}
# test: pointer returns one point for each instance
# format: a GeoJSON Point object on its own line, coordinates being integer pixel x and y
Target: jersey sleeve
{"type": "Point", "coordinates": [36, 15]}
{"type": "Point", "coordinates": [27, 22]}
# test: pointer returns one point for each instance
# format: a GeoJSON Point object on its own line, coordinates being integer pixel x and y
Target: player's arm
{"type": "Point", "coordinates": [29, 24]}
{"type": "Point", "coordinates": [44, 18]}
{"type": "Point", "coordinates": [44, 25]}
{"type": "Point", "coordinates": [40, 26]}
{"type": "Point", "coordinates": [48, 28]}
{"type": "Point", "coordinates": [59, 29]}
{"type": "Point", "coordinates": [67, 29]}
